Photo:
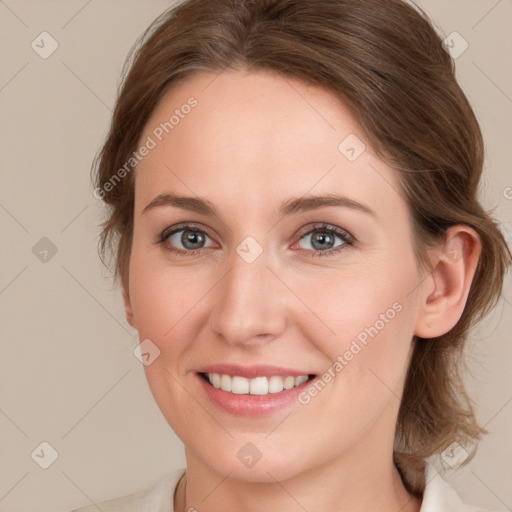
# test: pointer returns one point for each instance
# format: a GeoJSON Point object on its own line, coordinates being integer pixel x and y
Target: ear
{"type": "Point", "coordinates": [447, 286]}
{"type": "Point", "coordinates": [128, 308]}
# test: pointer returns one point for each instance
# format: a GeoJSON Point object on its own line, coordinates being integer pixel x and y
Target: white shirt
{"type": "Point", "coordinates": [438, 496]}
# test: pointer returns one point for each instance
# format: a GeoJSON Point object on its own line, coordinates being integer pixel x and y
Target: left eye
{"type": "Point", "coordinates": [323, 239]}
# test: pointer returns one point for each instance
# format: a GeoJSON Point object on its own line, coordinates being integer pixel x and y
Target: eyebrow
{"type": "Point", "coordinates": [289, 207]}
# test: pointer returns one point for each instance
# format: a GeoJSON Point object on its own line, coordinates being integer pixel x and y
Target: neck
{"type": "Point", "coordinates": [343, 484]}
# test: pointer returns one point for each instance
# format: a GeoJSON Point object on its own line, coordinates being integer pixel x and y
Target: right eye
{"type": "Point", "coordinates": [191, 238]}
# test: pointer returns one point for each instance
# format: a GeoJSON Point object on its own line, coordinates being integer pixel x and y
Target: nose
{"type": "Point", "coordinates": [250, 303]}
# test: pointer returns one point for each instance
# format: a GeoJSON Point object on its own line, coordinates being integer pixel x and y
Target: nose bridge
{"type": "Point", "coordinates": [249, 302]}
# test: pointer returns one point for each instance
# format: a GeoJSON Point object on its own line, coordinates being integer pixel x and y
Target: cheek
{"type": "Point", "coordinates": [162, 298]}
{"type": "Point", "coordinates": [367, 358]}
{"type": "Point", "coordinates": [165, 308]}
{"type": "Point", "coordinates": [370, 318]}
{"type": "Point", "coordinates": [358, 304]}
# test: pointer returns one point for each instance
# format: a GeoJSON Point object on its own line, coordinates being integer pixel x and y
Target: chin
{"type": "Point", "coordinates": [262, 471]}
{"type": "Point", "coordinates": [248, 463]}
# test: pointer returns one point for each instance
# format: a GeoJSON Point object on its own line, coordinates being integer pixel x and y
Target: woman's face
{"type": "Point", "coordinates": [268, 281]}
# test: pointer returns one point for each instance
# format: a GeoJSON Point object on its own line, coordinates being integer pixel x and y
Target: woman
{"type": "Point", "coordinates": [292, 194]}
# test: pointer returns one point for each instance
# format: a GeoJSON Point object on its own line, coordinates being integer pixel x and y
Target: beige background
{"type": "Point", "coordinates": [68, 375]}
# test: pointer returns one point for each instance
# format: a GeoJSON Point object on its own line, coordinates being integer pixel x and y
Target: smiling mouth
{"type": "Point", "coordinates": [257, 386]}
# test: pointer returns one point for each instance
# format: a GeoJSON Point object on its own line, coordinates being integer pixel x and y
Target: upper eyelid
{"type": "Point", "coordinates": [180, 227]}
{"type": "Point", "coordinates": [327, 227]}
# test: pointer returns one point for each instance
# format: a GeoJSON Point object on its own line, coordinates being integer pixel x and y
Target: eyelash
{"type": "Point", "coordinates": [347, 239]}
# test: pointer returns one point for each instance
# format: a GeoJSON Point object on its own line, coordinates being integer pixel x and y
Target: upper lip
{"type": "Point", "coordinates": [250, 372]}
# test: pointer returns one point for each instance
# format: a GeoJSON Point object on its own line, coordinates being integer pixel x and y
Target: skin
{"type": "Point", "coordinates": [254, 141]}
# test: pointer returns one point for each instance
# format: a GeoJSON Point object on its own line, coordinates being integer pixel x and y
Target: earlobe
{"type": "Point", "coordinates": [128, 308]}
{"type": "Point", "coordinates": [447, 288]}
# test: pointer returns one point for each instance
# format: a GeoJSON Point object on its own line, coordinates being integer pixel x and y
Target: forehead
{"type": "Point", "coordinates": [257, 136]}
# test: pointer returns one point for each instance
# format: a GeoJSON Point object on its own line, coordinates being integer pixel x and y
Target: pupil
{"type": "Point", "coordinates": [323, 239]}
{"type": "Point", "coordinates": [192, 237]}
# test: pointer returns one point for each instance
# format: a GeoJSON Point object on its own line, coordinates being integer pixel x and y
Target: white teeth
{"type": "Point", "coordinates": [257, 386]}
{"type": "Point", "coordinates": [289, 382]}
{"type": "Point", "coordinates": [215, 379]}
{"type": "Point", "coordinates": [239, 385]}
{"type": "Point", "coordinates": [300, 380]}
{"type": "Point", "coordinates": [275, 384]}
{"type": "Point", "coordinates": [225, 382]}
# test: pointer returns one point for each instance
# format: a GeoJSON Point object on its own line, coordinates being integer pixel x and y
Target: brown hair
{"type": "Point", "coordinates": [385, 61]}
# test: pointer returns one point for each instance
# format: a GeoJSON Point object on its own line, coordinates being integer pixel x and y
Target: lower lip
{"type": "Point", "coordinates": [252, 405]}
